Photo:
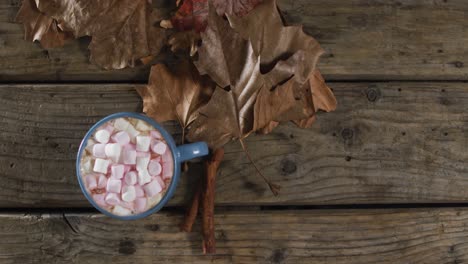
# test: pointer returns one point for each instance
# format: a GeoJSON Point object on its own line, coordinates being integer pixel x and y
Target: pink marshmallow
{"type": "Point", "coordinates": [129, 146]}
{"type": "Point", "coordinates": [117, 171]}
{"type": "Point", "coordinates": [91, 182]}
{"type": "Point", "coordinates": [140, 205]}
{"type": "Point", "coordinates": [112, 199]}
{"type": "Point", "coordinates": [127, 168]}
{"type": "Point", "coordinates": [155, 134]}
{"type": "Point", "coordinates": [154, 168]}
{"type": "Point", "coordinates": [121, 137]}
{"type": "Point", "coordinates": [99, 150]}
{"type": "Point", "coordinates": [167, 170]}
{"type": "Point", "coordinates": [139, 191]}
{"type": "Point", "coordinates": [160, 181]}
{"type": "Point", "coordinates": [131, 178]}
{"type": "Point", "coordinates": [159, 147]}
{"type": "Point", "coordinates": [167, 157]}
{"type": "Point", "coordinates": [100, 199]}
{"type": "Point", "coordinates": [129, 156]}
{"type": "Point", "coordinates": [102, 181]}
{"type": "Point", "coordinates": [152, 188]}
{"type": "Point", "coordinates": [114, 185]}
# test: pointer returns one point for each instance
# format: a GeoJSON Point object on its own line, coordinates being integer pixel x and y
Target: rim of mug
{"type": "Point", "coordinates": [176, 165]}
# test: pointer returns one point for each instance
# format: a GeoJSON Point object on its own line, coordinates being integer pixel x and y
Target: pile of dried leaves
{"type": "Point", "coordinates": [245, 71]}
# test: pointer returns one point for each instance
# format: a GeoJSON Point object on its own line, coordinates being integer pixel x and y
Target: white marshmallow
{"type": "Point", "coordinates": [99, 151]}
{"type": "Point", "coordinates": [102, 181]}
{"type": "Point", "coordinates": [129, 156]}
{"type": "Point", "coordinates": [152, 188]}
{"type": "Point", "coordinates": [102, 136]}
{"type": "Point", "coordinates": [89, 145]}
{"type": "Point", "coordinates": [101, 165]}
{"type": "Point", "coordinates": [121, 124]}
{"type": "Point", "coordinates": [142, 162]}
{"type": "Point", "coordinates": [159, 148]}
{"type": "Point", "coordinates": [113, 151]}
{"type": "Point", "coordinates": [121, 137]}
{"type": "Point", "coordinates": [128, 193]}
{"type": "Point", "coordinates": [117, 171]}
{"type": "Point", "coordinates": [143, 126]}
{"type": "Point", "coordinates": [154, 168]}
{"type": "Point", "coordinates": [132, 132]}
{"type": "Point", "coordinates": [114, 185]}
{"type": "Point", "coordinates": [143, 143]}
{"type": "Point", "coordinates": [143, 177]}
{"type": "Point", "coordinates": [119, 210]}
{"type": "Point", "coordinates": [139, 191]}
{"type": "Point", "coordinates": [154, 200]}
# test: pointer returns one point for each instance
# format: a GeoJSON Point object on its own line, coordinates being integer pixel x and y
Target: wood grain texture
{"type": "Point", "coordinates": [378, 40]}
{"type": "Point", "coordinates": [346, 236]}
{"type": "Point", "coordinates": [386, 143]}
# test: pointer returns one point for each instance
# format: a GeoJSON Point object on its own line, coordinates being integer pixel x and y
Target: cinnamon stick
{"type": "Point", "coordinates": [192, 210]}
{"type": "Point", "coordinates": [209, 242]}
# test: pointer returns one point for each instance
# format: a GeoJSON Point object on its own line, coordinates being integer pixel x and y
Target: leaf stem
{"type": "Point", "coordinates": [275, 188]}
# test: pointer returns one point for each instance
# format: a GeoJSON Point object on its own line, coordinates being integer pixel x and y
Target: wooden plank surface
{"type": "Point", "coordinates": [386, 143]}
{"type": "Point", "coordinates": [378, 40]}
{"type": "Point", "coordinates": [331, 236]}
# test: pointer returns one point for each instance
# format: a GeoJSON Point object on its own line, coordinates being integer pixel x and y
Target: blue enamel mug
{"type": "Point", "coordinates": [179, 154]}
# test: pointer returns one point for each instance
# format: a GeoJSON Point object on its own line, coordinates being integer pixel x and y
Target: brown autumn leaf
{"type": "Point", "coordinates": [122, 31]}
{"type": "Point", "coordinates": [175, 95]}
{"type": "Point", "coordinates": [231, 62]}
{"type": "Point", "coordinates": [39, 27]}
{"type": "Point", "coordinates": [273, 41]}
{"type": "Point", "coordinates": [193, 14]}
{"type": "Point", "coordinates": [322, 98]}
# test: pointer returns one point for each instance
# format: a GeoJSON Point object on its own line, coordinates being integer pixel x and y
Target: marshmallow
{"type": "Point", "coordinates": [121, 137]}
{"type": "Point", "coordinates": [89, 145]}
{"type": "Point", "coordinates": [101, 165]}
{"type": "Point", "coordinates": [114, 185]}
{"type": "Point", "coordinates": [99, 151]}
{"type": "Point", "coordinates": [129, 156]}
{"type": "Point", "coordinates": [152, 188]}
{"type": "Point", "coordinates": [109, 128]}
{"type": "Point", "coordinates": [100, 199]}
{"type": "Point", "coordinates": [129, 146]}
{"type": "Point", "coordinates": [155, 134]}
{"type": "Point", "coordinates": [112, 198]}
{"type": "Point", "coordinates": [167, 157]}
{"type": "Point", "coordinates": [167, 170]}
{"type": "Point", "coordinates": [140, 205]}
{"type": "Point", "coordinates": [121, 124]}
{"type": "Point", "coordinates": [119, 210]}
{"type": "Point", "coordinates": [128, 193]}
{"type": "Point", "coordinates": [113, 151]}
{"type": "Point", "coordinates": [128, 205]}
{"type": "Point", "coordinates": [159, 147]}
{"type": "Point", "coordinates": [139, 191]}
{"type": "Point", "coordinates": [117, 171]}
{"type": "Point", "coordinates": [143, 143]}
{"type": "Point", "coordinates": [143, 126]}
{"type": "Point", "coordinates": [143, 177]}
{"type": "Point", "coordinates": [102, 136]}
{"type": "Point", "coordinates": [131, 178]}
{"type": "Point", "coordinates": [154, 168]}
{"type": "Point", "coordinates": [160, 181]}
{"type": "Point", "coordinates": [87, 165]}
{"type": "Point", "coordinates": [127, 168]}
{"type": "Point", "coordinates": [102, 181]}
{"type": "Point", "coordinates": [155, 199]}
{"type": "Point", "coordinates": [142, 161]}
{"type": "Point", "coordinates": [91, 182]}
{"type": "Point", "coordinates": [132, 132]}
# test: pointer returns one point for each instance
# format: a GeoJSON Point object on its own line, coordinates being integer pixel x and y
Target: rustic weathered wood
{"type": "Point", "coordinates": [386, 143]}
{"type": "Point", "coordinates": [378, 40]}
{"type": "Point", "coordinates": [332, 236]}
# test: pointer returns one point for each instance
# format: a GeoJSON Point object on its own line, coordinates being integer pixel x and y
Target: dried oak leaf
{"type": "Point", "coordinates": [193, 14]}
{"type": "Point", "coordinates": [122, 31]}
{"type": "Point", "coordinates": [231, 62]}
{"type": "Point", "coordinates": [273, 41]}
{"type": "Point", "coordinates": [175, 95]}
{"type": "Point", "coordinates": [39, 27]}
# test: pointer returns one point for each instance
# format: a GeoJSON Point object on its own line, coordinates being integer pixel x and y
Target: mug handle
{"type": "Point", "coordinates": [193, 150]}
